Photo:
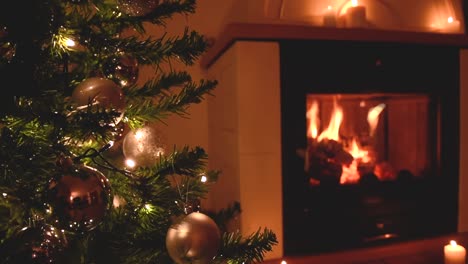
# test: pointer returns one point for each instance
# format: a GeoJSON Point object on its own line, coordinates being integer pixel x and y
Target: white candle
{"type": "Point", "coordinates": [356, 15]}
{"type": "Point", "coordinates": [454, 254]}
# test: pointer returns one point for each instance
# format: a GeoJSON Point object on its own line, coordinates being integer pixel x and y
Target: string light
{"type": "Point", "coordinates": [130, 163]}
{"type": "Point", "coordinates": [203, 178]}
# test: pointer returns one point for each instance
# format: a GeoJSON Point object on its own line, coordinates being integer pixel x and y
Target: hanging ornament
{"type": "Point", "coordinates": [39, 244]}
{"type": "Point", "coordinates": [137, 7]}
{"type": "Point", "coordinates": [100, 91]}
{"type": "Point", "coordinates": [7, 49]}
{"type": "Point", "coordinates": [194, 240]}
{"type": "Point", "coordinates": [122, 70]}
{"type": "Point", "coordinates": [144, 146]}
{"type": "Point", "coordinates": [80, 197]}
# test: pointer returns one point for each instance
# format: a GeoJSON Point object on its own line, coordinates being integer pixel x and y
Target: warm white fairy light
{"type": "Point", "coordinates": [450, 20]}
{"type": "Point", "coordinates": [203, 178]}
{"type": "Point", "coordinates": [130, 163]}
{"type": "Point", "coordinates": [284, 262]}
{"type": "Point", "coordinates": [69, 42]}
{"type": "Point", "coordinates": [4, 195]}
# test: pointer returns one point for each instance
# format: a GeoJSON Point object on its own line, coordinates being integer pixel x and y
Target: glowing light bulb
{"type": "Point", "coordinates": [284, 262]}
{"type": "Point", "coordinates": [450, 20]}
{"type": "Point", "coordinates": [69, 42]}
{"type": "Point", "coordinates": [329, 7]}
{"type": "Point", "coordinates": [354, 2]}
{"type": "Point", "coordinates": [203, 178]}
{"type": "Point", "coordinates": [130, 163]}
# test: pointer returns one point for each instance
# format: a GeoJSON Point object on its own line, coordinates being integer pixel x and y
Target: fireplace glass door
{"type": "Point", "coordinates": [370, 143]}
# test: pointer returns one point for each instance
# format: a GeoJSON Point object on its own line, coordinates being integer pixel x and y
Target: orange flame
{"type": "Point", "coordinates": [373, 117]}
{"type": "Point", "coordinates": [312, 117]}
{"type": "Point", "coordinates": [333, 129]}
{"type": "Point", "coordinates": [350, 172]}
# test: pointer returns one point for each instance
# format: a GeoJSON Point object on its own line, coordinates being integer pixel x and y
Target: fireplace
{"type": "Point", "coordinates": [369, 143]}
{"type": "Point", "coordinates": [260, 137]}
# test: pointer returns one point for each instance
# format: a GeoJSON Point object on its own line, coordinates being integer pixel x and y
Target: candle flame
{"type": "Point", "coordinates": [450, 20]}
{"type": "Point", "coordinates": [453, 242]}
{"type": "Point", "coordinates": [354, 2]}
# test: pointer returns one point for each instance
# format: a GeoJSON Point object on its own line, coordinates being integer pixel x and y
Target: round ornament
{"type": "Point", "coordinates": [80, 197]}
{"type": "Point", "coordinates": [122, 70]}
{"type": "Point", "coordinates": [101, 91]}
{"type": "Point", "coordinates": [195, 239]}
{"type": "Point", "coordinates": [38, 244]}
{"type": "Point", "coordinates": [138, 7]}
{"type": "Point", "coordinates": [144, 145]}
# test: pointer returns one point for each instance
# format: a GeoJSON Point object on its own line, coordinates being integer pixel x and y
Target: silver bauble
{"type": "Point", "coordinates": [144, 145]}
{"type": "Point", "coordinates": [80, 197]}
{"type": "Point", "coordinates": [194, 240]}
{"type": "Point", "coordinates": [137, 7]}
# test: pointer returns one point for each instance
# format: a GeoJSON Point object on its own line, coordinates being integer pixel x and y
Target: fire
{"type": "Point", "coordinates": [333, 129]}
{"type": "Point", "coordinates": [312, 117]}
{"type": "Point", "coordinates": [360, 156]}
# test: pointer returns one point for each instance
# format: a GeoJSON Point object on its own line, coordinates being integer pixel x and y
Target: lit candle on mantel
{"type": "Point", "coordinates": [452, 25]}
{"type": "Point", "coordinates": [454, 254]}
{"type": "Point", "coordinates": [356, 15]}
{"type": "Point", "coordinates": [329, 19]}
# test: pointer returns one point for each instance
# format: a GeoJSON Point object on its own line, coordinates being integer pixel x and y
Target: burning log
{"type": "Point", "coordinates": [325, 160]}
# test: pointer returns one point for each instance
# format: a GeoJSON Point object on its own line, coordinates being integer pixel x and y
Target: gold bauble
{"type": "Point", "coordinates": [144, 145]}
{"type": "Point", "coordinates": [101, 91]}
{"type": "Point", "coordinates": [194, 240]}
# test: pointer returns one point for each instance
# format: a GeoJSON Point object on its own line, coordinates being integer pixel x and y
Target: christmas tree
{"type": "Point", "coordinates": [86, 176]}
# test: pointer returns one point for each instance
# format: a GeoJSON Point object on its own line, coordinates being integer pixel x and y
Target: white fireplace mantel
{"type": "Point", "coordinates": [244, 116]}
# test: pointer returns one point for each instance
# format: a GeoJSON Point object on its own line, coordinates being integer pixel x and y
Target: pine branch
{"type": "Point", "coordinates": [141, 111]}
{"type": "Point", "coordinates": [238, 250]}
{"type": "Point", "coordinates": [156, 87]}
{"type": "Point", "coordinates": [185, 161]}
{"type": "Point", "coordinates": [165, 10]}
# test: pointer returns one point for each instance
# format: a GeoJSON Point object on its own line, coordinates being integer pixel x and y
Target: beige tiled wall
{"type": "Point", "coordinates": [244, 136]}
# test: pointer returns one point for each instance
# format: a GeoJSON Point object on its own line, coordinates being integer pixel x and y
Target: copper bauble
{"type": "Point", "coordinates": [144, 145]}
{"type": "Point", "coordinates": [122, 69]}
{"type": "Point", "coordinates": [194, 240]}
{"type": "Point", "coordinates": [101, 91]}
{"type": "Point", "coordinates": [38, 244]}
{"type": "Point", "coordinates": [80, 198]}
{"type": "Point", "coordinates": [138, 7]}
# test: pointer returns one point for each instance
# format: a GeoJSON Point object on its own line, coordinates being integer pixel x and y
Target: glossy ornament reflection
{"type": "Point", "coordinates": [80, 198]}
{"type": "Point", "coordinates": [144, 146]}
{"type": "Point", "coordinates": [194, 240]}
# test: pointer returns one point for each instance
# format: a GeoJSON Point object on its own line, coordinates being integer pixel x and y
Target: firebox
{"type": "Point", "coordinates": [370, 135]}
